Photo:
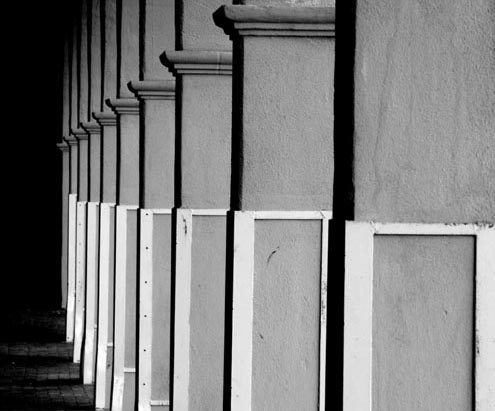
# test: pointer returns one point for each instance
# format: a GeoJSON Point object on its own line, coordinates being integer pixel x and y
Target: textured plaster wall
{"type": "Point", "coordinates": [423, 323]}
{"type": "Point", "coordinates": [110, 50]}
{"type": "Point", "coordinates": [109, 189]}
{"type": "Point", "coordinates": [95, 167]}
{"type": "Point", "coordinates": [95, 78]}
{"type": "Point", "coordinates": [425, 110]}
{"type": "Point", "coordinates": [287, 2]}
{"type": "Point", "coordinates": [158, 153]}
{"type": "Point", "coordinates": [286, 315]}
{"type": "Point", "coordinates": [161, 316]}
{"type": "Point", "coordinates": [129, 159]}
{"type": "Point", "coordinates": [129, 47]}
{"type": "Point", "coordinates": [74, 168]}
{"type": "Point", "coordinates": [158, 30]}
{"type": "Point", "coordinates": [287, 136]}
{"type": "Point", "coordinates": [83, 187]}
{"type": "Point", "coordinates": [84, 94]}
{"type": "Point", "coordinates": [198, 30]}
{"type": "Point", "coordinates": [207, 318]}
{"type": "Point", "coordinates": [206, 141]}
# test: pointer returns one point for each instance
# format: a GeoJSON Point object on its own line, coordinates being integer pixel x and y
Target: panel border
{"type": "Point", "coordinates": [242, 305]}
{"type": "Point", "coordinates": [358, 306]}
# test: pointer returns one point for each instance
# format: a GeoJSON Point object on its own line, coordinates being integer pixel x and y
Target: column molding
{"type": "Point", "coordinates": [105, 118]}
{"type": "Point", "coordinates": [153, 89]}
{"type": "Point", "coordinates": [124, 105]}
{"type": "Point", "coordinates": [288, 21]}
{"type": "Point", "coordinates": [198, 62]}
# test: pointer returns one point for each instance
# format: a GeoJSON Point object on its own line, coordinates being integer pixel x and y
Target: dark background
{"type": "Point", "coordinates": [32, 57]}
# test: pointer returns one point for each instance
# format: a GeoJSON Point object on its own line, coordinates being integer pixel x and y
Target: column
{"type": "Point", "coordinates": [203, 68]}
{"type": "Point", "coordinates": [64, 148]}
{"type": "Point", "coordinates": [109, 152]}
{"type": "Point", "coordinates": [126, 107]}
{"type": "Point", "coordinates": [156, 93]}
{"type": "Point", "coordinates": [281, 189]}
{"type": "Point", "coordinates": [93, 130]}
{"type": "Point", "coordinates": [74, 176]}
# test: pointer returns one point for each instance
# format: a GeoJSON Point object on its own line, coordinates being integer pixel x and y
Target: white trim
{"type": "Point", "coordinates": [89, 364]}
{"type": "Point", "coordinates": [358, 300]}
{"type": "Point", "coordinates": [485, 323]}
{"type": "Point", "coordinates": [208, 212]}
{"type": "Point", "coordinates": [425, 229]}
{"type": "Point", "coordinates": [159, 403]}
{"type": "Point", "coordinates": [293, 215]}
{"type": "Point", "coordinates": [242, 311]}
{"type": "Point", "coordinates": [107, 218]}
{"type": "Point", "coordinates": [71, 269]}
{"type": "Point", "coordinates": [323, 311]}
{"type": "Point", "coordinates": [129, 370]}
{"type": "Point", "coordinates": [120, 303]}
{"type": "Point", "coordinates": [242, 320]}
{"type": "Point", "coordinates": [182, 330]}
{"type": "Point", "coordinates": [160, 211]}
{"type": "Point", "coordinates": [358, 308]}
{"type": "Point", "coordinates": [145, 309]}
{"type": "Point", "coordinates": [81, 221]}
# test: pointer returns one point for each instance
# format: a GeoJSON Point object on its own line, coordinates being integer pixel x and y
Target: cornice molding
{"type": "Point", "coordinates": [63, 146]}
{"type": "Point", "coordinates": [91, 127]}
{"type": "Point", "coordinates": [105, 118]}
{"type": "Point", "coordinates": [153, 89]}
{"type": "Point", "coordinates": [80, 134]}
{"type": "Point", "coordinates": [71, 140]}
{"type": "Point", "coordinates": [197, 62]}
{"type": "Point", "coordinates": [124, 105]}
{"type": "Point", "coordinates": [275, 21]}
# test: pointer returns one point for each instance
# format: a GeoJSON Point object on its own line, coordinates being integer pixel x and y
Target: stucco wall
{"type": "Point", "coordinates": [425, 110]}
{"type": "Point", "coordinates": [207, 319]}
{"type": "Point", "coordinates": [286, 316]}
{"type": "Point", "coordinates": [423, 302]}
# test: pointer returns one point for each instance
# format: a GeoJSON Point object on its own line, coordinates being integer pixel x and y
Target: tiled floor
{"type": "Point", "coordinates": [39, 375]}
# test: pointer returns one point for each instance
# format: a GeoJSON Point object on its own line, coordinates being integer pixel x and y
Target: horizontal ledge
{"type": "Point", "coordinates": [123, 105]}
{"type": "Point", "coordinates": [157, 403]}
{"type": "Point", "coordinates": [79, 134]}
{"type": "Point", "coordinates": [105, 118]}
{"type": "Point", "coordinates": [427, 229]}
{"type": "Point", "coordinates": [91, 127]}
{"type": "Point", "coordinates": [128, 207]}
{"type": "Point", "coordinates": [276, 20]}
{"type": "Point", "coordinates": [63, 146]}
{"type": "Point", "coordinates": [153, 89]}
{"type": "Point", "coordinates": [129, 370]}
{"type": "Point", "coordinates": [292, 215]}
{"type": "Point", "coordinates": [198, 62]}
{"type": "Point", "coordinates": [204, 212]}
{"type": "Point", "coordinates": [155, 211]}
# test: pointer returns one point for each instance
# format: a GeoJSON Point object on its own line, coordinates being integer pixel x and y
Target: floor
{"type": "Point", "coordinates": [36, 370]}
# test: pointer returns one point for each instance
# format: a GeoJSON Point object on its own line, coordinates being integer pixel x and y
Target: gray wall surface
{"type": "Point", "coordinates": [425, 111]}
{"type": "Point", "coordinates": [286, 321]}
{"type": "Point", "coordinates": [423, 302]}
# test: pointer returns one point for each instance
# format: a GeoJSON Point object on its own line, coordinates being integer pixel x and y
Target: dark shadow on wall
{"type": "Point", "coordinates": [343, 195]}
{"type": "Point", "coordinates": [32, 164]}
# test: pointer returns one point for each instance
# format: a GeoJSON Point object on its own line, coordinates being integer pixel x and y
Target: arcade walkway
{"type": "Point", "coordinates": [36, 368]}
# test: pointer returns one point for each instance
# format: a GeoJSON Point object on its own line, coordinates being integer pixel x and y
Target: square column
{"type": "Point", "coordinates": [64, 149]}
{"type": "Point", "coordinates": [201, 223]}
{"type": "Point", "coordinates": [282, 187]}
{"type": "Point", "coordinates": [93, 130]}
{"type": "Point", "coordinates": [71, 238]}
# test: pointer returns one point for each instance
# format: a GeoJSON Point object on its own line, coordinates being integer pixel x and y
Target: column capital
{"type": "Point", "coordinates": [153, 89]}
{"type": "Point", "coordinates": [284, 21]}
{"type": "Point", "coordinates": [71, 140]}
{"type": "Point", "coordinates": [79, 134]}
{"type": "Point", "coordinates": [91, 127]}
{"type": "Point", "coordinates": [123, 105]}
{"type": "Point", "coordinates": [63, 146]}
{"type": "Point", "coordinates": [198, 62]}
{"type": "Point", "coordinates": [105, 118]}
